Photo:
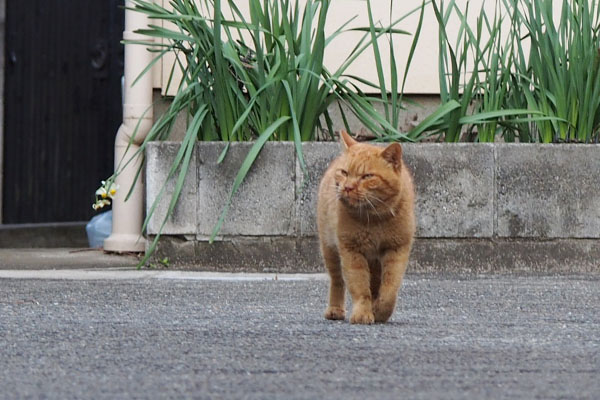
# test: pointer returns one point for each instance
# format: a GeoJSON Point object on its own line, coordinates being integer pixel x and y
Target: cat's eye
{"type": "Point", "coordinates": [343, 172]}
{"type": "Point", "coordinates": [368, 176]}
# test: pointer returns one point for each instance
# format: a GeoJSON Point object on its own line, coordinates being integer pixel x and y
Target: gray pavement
{"type": "Point", "coordinates": [176, 335]}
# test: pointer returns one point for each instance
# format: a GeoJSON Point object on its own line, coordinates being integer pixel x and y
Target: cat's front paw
{"type": "Point", "coordinates": [365, 318]}
{"type": "Point", "coordinates": [383, 310]}
{"type": "Point", "coordinates": [335, 313]}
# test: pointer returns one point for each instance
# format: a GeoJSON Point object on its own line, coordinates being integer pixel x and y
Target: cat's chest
{"type": "Point", "coordinates": [370, 241]}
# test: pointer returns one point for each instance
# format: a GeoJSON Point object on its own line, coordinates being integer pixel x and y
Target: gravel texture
{"type": "Point", "coordinates": [452, 337]}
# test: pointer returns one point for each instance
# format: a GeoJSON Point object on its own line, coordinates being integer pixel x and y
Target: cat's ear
{"type": "Point", "coordinates": [347, 140]}
{"type": "Point", "coordinates": [393, 155]}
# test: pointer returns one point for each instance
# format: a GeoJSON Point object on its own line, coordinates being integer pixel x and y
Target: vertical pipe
{"type": "Point", "coordinates": [137, 113]}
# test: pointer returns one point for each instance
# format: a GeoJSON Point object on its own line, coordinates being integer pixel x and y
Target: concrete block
{"type": "Point", "coordinates": [455, 186]}
{"type": "Point", "coordinates": [264, 203]}
{"type": "Point", "coordinates": [159, 158]}
{"type": "Point", "coordinates": [317, 157]}
{"type": "Point", "coordinates": [548, 191]}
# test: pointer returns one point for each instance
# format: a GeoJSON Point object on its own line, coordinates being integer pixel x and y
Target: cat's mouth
{"type": "Point", "coordinates": [351, 201]}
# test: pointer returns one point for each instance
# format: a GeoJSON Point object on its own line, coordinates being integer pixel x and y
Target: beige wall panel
{"type": "Point", "coordinates": [423, 74]}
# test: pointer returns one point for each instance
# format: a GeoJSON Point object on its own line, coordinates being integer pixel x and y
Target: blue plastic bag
{"type": "Point", "coordinates": [99, 228]}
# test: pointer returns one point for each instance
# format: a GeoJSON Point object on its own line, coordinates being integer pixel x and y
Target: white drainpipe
{"type": "Point", "coordinates": [128, 215]}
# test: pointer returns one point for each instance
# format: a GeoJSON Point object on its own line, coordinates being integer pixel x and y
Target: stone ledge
{"type": "Point", "coordinates": [46, 235]}
{"type": "Point", "coordinates": [480, 207]}
{"type": "Point", "coordinates": [283, 254]}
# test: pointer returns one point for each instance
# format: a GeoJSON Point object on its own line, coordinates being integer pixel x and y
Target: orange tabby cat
{"type": "Point", "coordinates": [365, 217]}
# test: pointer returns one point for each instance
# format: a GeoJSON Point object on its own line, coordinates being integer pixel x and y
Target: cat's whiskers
{"type": "Point", "coordinates": [372, 206]}
{"type": "Point", "coordinates": [390, 209]}
{"type": "Point", "coordinates": [369, 198]}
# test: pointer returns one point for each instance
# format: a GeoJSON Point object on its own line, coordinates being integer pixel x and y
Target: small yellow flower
{"type": "Point", "coordinates": [111, 189]}
{"type": "Point", "coordinates": [107, 190]}
{"type": "Point", "coordinates": [101, 192]}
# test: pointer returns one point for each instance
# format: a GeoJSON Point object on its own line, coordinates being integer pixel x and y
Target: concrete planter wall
{"type": "Point", "coordinates": [480, 207]}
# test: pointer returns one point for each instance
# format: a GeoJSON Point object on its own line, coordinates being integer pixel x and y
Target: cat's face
{"type": "Point", "coordinates": [368, 177]}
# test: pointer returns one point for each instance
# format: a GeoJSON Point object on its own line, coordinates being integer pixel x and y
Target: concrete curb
{"type": "Point", "coordinates": [63, 258]}
{"type": "Point", "coordinates": [113, 274]}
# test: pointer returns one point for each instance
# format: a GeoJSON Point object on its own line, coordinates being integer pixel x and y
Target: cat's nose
{"type": "Point", "coordinates": [348, 189]}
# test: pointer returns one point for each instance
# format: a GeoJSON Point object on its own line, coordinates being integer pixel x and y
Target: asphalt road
{"type": "Point", "coordinates": [485, 337]}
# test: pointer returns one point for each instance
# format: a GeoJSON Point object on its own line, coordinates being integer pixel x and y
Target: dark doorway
{"type": "Point", "coordinates": [62, 97]}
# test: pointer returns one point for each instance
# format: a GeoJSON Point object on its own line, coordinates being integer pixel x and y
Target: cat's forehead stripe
{"type": "Point", "coordinates": [357, 166]}
{"type": "Point", "coordinates": [358, 161]}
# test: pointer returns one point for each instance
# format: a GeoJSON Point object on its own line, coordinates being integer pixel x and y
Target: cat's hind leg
{"type": "Point", "coordinates": [336, 308]}
{"type": "Point", "coordinates": [393, 267]}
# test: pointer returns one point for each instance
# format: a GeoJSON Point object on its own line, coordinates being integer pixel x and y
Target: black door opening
{"type": "Point", "coordinates": [62, 97]}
